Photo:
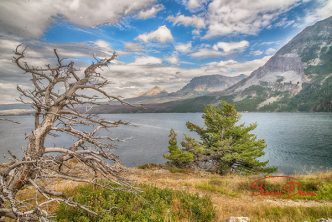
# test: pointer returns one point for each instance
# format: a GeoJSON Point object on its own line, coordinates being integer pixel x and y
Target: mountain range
{"type": "Point", "coordinates": [297, 78]}
{"type": "Point", "coordinates": [198, 86]}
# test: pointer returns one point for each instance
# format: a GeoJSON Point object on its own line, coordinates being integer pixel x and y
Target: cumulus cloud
{"type": "Point", "coordinates": [104, 47]}
{"type": "Point", "coordinates": [184, 48]}
{"type": "Point", "coordinates": [231, 47]}
{"type": "Point", "coordinates": [243, 17]}
{"type": "Point", "coordinates": [322, 11]}
{"type": "Point", "coordinates": [256, 52]}
{"type": "Point", "coordinates": [39, 54]}
{"type": "Point", "coordinates": [151, 12]}
{"type": "Point", "coordinates": [102, 44]}
{"type": "Point", "coordinates": [220, 49]}
{"type": "Point", "coordinates": [133, 47]}
{"type": "Point", "coordinates": [173, 59]}
{"type": "Point", "coordinates": [196, 32]}
{"type": "Point", "coordinates": [194, 5]}
{"type": "Point", "coordinates": [194, 21]}
{"type": "Point", "coordinates": [162, 34]}
{"type": "Point", "coordinates": [8, 93]}
{"type": "Point", "coordinates": [285, 22]}
{"type": "Point", "coordinates": [232, 67]}
{"type": "Point", "coordinates": [10, 75]}
{"type": "Point", "coordinates": [270, 51]}
{"type": "Point", "coordinates": [147, 60]}
{"type": "Point", "coordinates": [31, 18]}
{"type": "Point", "coordinates": [206, 53]}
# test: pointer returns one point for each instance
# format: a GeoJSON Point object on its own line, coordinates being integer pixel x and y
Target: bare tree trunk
{"type": "Point", "coordinates": [55, 98]}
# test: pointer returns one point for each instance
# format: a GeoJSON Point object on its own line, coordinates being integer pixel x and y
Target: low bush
{"type": "Point", "coordinates": [151, 204]}
{"type": "Point", "coordinates": [150, 166]}
{"type": "Point", "coordinates": [322, 187]}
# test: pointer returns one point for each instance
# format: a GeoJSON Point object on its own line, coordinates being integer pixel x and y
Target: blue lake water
{"type": "Point", "coordinates": [296, 142]}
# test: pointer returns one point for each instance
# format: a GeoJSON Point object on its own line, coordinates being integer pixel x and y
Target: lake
{"type": "Point", "coordinates": [296, 142]}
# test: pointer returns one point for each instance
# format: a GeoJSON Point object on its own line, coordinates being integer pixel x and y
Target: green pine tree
{"type": "Point", "coordinates": [229, 145]}
{"type": "Point", "coordinates": [177, 157]}
{"type": "Point", "coordinates": [225, 145]}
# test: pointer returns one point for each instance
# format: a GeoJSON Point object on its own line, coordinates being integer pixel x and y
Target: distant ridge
{"type": "Point", "coordinates": [197, 86]}
{"type": "Point", "coordinates": [155, 91]}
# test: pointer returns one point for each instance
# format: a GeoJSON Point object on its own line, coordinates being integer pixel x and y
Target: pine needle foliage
{"type": "Point", "coordinates": [225, 145]}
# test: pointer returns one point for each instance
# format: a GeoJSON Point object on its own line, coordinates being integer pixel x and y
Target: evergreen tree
{"type": "Point", "coordinates": [177, 157]}
{"type": "Point", "coordinates": [225, 145]}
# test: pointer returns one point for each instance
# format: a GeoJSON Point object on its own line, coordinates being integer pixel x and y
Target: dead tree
{"type": "Point", "coordinates": [58, 95]}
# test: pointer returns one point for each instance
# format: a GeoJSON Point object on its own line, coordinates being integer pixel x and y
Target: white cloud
{"type": "Point", "coordinates": [231, 47]}
{"type": "Point", "coordinates": [162, 34]}
{"type": "Point", "coordinates": [256, 52]}
{"type": "Point", "coordinates": [243, 17]}
{"type": "Point", "coordinates": [173, 59]}
{"type": "Point", "coordinates": [147, 60]}
{"type": "Point", "coordinates": [102, 44]}
{"type": "Point", "coordinates": [220, 49]}
{"type": "Point", "coordinates": [226, 63]}
{"type": "Point", "coordinates": [270, 51]}
{"type": "Point", "coordinates": [38, 54]}
{"type": "Point", "coordinates": [31, 18]}
{"type": "Point", "coordinates": [285, 22]}
{"type": "Point", "coordinates": [232, 67]}
{"type": "Point", "coordinates": [194, 5]}
{"type": "Point", "coordinates": [184, 48]}
{"type": "Point", "coordinates": [104, 47]}
{"type": "Point", "coordinates": [194, 21]}
{"type": "Point", "coordinates": [7, 86]}
{"type": "Point", "coordinates": [151, 12]}
{"type": "Point", "coordinates": [196, 32]}
{"type": "Point", "coordinates": [322, 11]}
{"type": "Point", "coordinates": [133, 47]}
{"type": "Point", "coordinates": [206, 53]}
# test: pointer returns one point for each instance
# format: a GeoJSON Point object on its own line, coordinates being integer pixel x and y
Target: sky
{"type": "Point", "coordinates": [159, 43]}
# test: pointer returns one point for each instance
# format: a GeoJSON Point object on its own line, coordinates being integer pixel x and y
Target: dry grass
{"type": "Point", "coordinates": [230, 194]}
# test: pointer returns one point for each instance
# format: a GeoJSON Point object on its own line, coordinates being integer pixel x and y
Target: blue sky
{"type": "Point", "coordinates": [164, 43]}
{"type": "Point", "coordinates": [277, 33]}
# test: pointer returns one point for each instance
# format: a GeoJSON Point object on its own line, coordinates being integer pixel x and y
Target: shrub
{"type": "Point", "coordinates": [150, 166]}
{"type": "Point", "coordinates": [152, 204]}
{"type": "Point", "coordinates": [177, 157]}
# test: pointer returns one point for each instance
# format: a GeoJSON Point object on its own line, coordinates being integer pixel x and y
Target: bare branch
{"type": "Point", "coordinates": [57, 97]}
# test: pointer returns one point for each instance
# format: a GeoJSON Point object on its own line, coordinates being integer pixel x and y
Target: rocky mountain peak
{"type": "Point", "coordinates": [210, 83]}
{"type": "Point", "coordinates": [306, 53]}
{"type": "Point", "coordinates": [154, 91]}
{"type": "Point", "coordinates": [295, 78]}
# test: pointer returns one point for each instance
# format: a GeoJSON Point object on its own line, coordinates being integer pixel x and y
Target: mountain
{"type": "Point", "coordinates": [282, 72]}
{"type": "Point", "coordinates": [198, 86]}
{"type": "Point", "coordinates": [209, 83]}
{"type": "Point", "coordinates": [297, 78]}
{"type": "Point", "coordinates": [155, 91]}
